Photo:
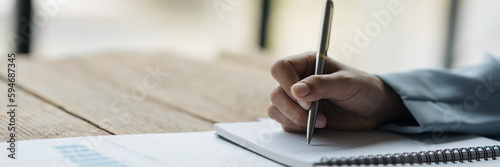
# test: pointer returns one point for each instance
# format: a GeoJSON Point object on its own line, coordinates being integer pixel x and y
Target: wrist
{"type": "Point", "coordinates": [392, 108]}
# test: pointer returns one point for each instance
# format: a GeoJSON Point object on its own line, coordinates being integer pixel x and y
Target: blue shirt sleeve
{"type": "Point", "coordinates": [464, 100]}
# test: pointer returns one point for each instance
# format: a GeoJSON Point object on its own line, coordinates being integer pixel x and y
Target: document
{"type": "Point", "coordinates": [172, 149]}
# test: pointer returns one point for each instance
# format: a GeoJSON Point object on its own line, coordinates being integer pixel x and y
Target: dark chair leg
{"type": "Point", "coordinates": [23, 26]}
{"type": "Point", "coordinates": [450, 39]}
{"type": "Point", "coordinates": [264, 23]}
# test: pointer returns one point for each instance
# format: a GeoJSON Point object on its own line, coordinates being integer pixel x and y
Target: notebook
{"type": "Point", "coordinates": [336, 148]}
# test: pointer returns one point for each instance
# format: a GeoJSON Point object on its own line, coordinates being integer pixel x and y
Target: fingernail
{"type": "Point", "coordinates": [303, 104]}
{"type": "Point", "coordinates": [320, 122]}
{"type": "Point", "coordinates": [301, 89]}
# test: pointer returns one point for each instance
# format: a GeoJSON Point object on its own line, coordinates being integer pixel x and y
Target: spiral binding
{"type": "Point", "coordinates": [432, 156]}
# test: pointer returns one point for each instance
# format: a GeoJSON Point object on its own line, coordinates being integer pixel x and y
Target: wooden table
{"type": "Point", "coordinates": [115, 94]}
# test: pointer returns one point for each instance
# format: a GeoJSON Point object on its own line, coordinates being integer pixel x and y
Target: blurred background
{"type": "Point", "coordinates": [377, 36]}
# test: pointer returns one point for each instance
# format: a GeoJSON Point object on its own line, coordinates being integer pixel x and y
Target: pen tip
{"type": "Point", "coordinates": [308, 141]}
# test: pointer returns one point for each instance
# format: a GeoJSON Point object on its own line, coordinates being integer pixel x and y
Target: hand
{"type": "Point", "coordinates": [350, 99]}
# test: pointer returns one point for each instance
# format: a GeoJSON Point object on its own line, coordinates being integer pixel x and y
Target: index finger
{"type": "Point", "coordinates": [290, 70]}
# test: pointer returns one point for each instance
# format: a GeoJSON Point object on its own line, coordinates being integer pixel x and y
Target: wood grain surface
{"type": "Point", "coordinates": [36, 119]}
{"type": "Point", "coordinates": [125, 93]}
{"type": "Point", "coordinates": [218, 91]}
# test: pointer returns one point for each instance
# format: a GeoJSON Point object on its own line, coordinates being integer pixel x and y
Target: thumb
{"type": "Point", "coordinates": [335, 86]}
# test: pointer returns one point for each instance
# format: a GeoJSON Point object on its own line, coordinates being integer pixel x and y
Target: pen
{"type": "Point", "coordinates": [324, 41]}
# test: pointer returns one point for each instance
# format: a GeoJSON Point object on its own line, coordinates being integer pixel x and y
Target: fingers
{"type": "Point", "coordinates": [287, 125]}
{"type": "Point", "coordinates": [339, 118]}
{"type": "Point", "coordinates": [338, 86]}
{"type": "Point", "coordinates": [292, 117]}
{"type": "Point", "coordinates": [292, 99]}
{"type": "Point", "coordinates": [290, 70]}
{"type": "Point", "coordinates": [299, 91]}
{"type": "Point", "coordinates": [291, 110]}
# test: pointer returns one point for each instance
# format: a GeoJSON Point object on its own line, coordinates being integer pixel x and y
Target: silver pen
{"type": "Point", "coordinates": [324, 41]}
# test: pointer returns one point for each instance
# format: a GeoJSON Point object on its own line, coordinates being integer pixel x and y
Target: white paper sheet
{"type": "Point", "coordinates": [175, 149]}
